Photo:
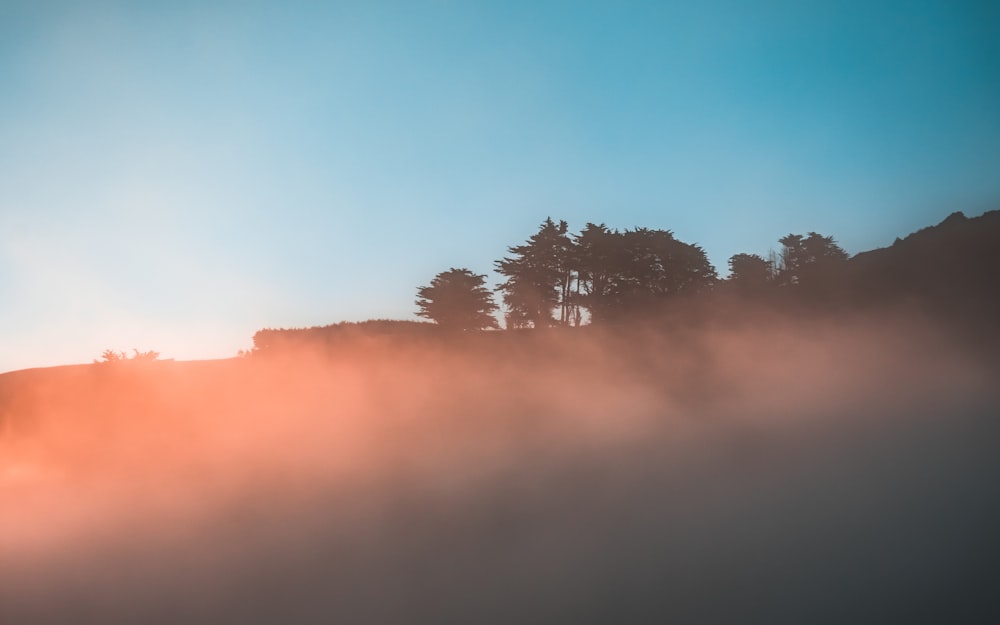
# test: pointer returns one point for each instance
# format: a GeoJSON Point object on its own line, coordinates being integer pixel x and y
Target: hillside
{"type": "Point", "coordinates": [767, 459]}
{"type": "Point", "coordinates": [823, 470]}
{"type": "Point", "coordinates": [951, 269]}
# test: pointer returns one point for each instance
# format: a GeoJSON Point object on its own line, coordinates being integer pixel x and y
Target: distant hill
{"type": "Point", "coordinates": [951, 269]}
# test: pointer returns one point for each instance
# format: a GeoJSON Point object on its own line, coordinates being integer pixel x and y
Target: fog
{"type": "Point", "coordinates": [758, 471]}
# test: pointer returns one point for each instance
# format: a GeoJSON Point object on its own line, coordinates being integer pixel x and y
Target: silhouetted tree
{"type": "Point", "coordinates": [539, 277]}
{"type": "Point", "coordinates": [750, 273]}
{"type": "Point", "coordinates": [636, 269]}
{"type": "Point", "coordinates": [809, 261]}
{"type": "Point", "coordinates": [110, 355]}
{"type": "Point", "coordinates": [147, 355]}
{"type": "Point", "coordinates": [457, 299]}
{"type": "Point", "coordinates": [597, 260]}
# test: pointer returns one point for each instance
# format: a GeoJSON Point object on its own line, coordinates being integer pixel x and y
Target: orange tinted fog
{"type": "Point", "coordinates": [161, 456]}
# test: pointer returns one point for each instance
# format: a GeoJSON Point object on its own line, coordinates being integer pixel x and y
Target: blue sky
{"type": "Point", "coordinates": [176, 175]}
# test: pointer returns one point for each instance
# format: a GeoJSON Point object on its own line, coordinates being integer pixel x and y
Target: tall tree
{"type": "Point", "coordinates": [539, 277]}
{"type": "Point", "coordinates": [597, 261]}
{"type": "Point", "coordinates": [809, 261]}
{"type": "Point", "coordinates": [629, 271]}
{"type": "Point", "coordinates": [457, 299]}
{"type": "Point", "coordinates": [750, 273]}
{"type": "Point", "coordinates": [661, 266]}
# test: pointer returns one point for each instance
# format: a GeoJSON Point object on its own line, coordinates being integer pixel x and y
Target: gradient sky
{"type": "Point", "coordinates": [177, 175]}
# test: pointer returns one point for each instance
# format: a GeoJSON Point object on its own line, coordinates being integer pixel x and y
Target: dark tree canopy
{"type": "Point", "coordinates": [538, 277]}
{"type": "Point", "coordinates": [607, 272]}
{"type": "Point", "coordinates": [809, 261]}
{"type": "Point", "coordinates": [636, 269]}
{"type": "Point", "coordinates": [750, 272]}
{"type": "Point", "coordinates": [457, 299]}
{"type": "Point", "coordinates": [599, 259]}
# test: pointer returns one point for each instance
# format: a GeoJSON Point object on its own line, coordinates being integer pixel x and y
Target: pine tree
{"type": "Point", "coordinates": [457, 299]}
{"type": "Point", "coordinates": [539, 278]}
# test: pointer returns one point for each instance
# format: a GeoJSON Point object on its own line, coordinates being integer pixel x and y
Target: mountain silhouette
{"type": "Point", "coordinates": [951, 268]}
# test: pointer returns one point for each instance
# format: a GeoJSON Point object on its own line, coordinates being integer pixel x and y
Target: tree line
{"type": "Point", "coordinates": [599, 275]}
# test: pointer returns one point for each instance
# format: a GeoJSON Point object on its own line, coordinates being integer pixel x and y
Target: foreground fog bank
{"type": "Point", "coordinates": [769, 473]}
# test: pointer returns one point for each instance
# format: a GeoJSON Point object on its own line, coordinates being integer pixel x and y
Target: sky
{"type": "Point", "coordinates": [177, 175]}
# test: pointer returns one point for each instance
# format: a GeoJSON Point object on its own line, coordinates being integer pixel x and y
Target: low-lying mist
{"type": "Point", "coordinates": [753, 472]}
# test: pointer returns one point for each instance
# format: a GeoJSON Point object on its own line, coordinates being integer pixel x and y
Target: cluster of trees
{"type": "Point", "coordinates": [559, 278]}
{"type": "Point", "coordinates": [555, 278]}
{"type": "Point", "coordinates": [808, 262]}
{"type": "Point", "coordinates": [111, 355]}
